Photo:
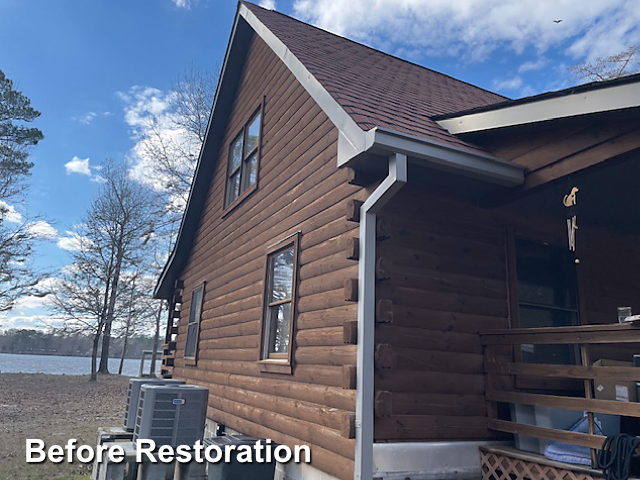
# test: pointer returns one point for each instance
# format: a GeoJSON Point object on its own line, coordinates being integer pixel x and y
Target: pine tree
{"type": "Point", "coordinates": [17, 235]}
{"type": "Point", "coordinates": [15, 138]}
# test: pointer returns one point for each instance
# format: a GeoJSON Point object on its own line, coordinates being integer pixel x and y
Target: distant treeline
{"type": "Point", "coordinates": [41, 343]}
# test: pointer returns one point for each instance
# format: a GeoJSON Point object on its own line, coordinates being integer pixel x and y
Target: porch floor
{"type": "Point", "coordinates": [508, 463]}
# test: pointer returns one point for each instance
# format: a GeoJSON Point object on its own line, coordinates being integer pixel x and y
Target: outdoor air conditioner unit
{"type": "Point", "coordinates": [171, 414]}
{"type": "Point", "coordinates": [133, 396]}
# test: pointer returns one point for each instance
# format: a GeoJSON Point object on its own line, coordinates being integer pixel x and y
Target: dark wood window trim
{"type": "Point", "coordinates": [279, 362]}
{"type": "Point", "coordinates": [242, 170]}
{"type": "Point", "coordinates": [192, 360]}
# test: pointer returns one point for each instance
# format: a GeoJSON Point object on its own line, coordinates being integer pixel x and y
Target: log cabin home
{"type": "Point", "coordinates": [381, 261]}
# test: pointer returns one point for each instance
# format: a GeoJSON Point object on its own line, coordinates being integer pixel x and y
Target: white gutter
{"type": "Point", "coordinates": [478, 165]}
{"type": "Point", "coordinates": [606, 99]}
{"type": "Point", "coordinates": [396, 179]}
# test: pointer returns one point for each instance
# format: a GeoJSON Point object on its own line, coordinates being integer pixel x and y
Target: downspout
{"type": "Point", "coordinates": [396, 179]}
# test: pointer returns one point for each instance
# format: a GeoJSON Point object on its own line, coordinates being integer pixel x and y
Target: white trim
{"type": "Point", "coordinates": [340, 118]}
{"type": "Point", "coordinates": [582, 103]}
{"type": "Point", "coordinates": [396, 179]}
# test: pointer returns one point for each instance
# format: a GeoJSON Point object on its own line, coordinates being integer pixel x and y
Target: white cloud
{"type": "Point", "coordinates": [40, 320]}
{"type": "Point", "coordinates": [186, 4]}
{"type": "Point", "coordinates": [83, 166]}
{"type": "Point", "coordinates": [268, 4]}
{"type": "Point", "coordinates": [78, 165]}
{"type": "Point", "coordinates": [34, 322]}
{"type": "Point", "coordinates": [9, 213]}
{"type": "Point", "coordinates": [98, 179]}
{"type": "Point", "coordinates": [43, 229]}
{"type": "Point", "coordinates": [158, 137]}
{"type": "Point", "coordinates": [533, 66]}
{"type": "Point", "coordinates": [72, 242]}
{"type": "Point", "coordinates": [89, 117]}
{"type": "Point", "coordinates": [473, 29]}
{"type": "Point", "coordinates": [507, 84]}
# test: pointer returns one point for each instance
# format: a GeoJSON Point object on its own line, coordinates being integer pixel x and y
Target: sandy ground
{"type": "Point", "coordinates": [54, 408]}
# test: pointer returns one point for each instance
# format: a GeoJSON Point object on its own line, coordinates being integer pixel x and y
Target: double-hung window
{"type": "Point", "coordinates": [279, 302]}
{"type": "Point", "coordinates": [242, 167]}
{"type": "Point", "coordinates": [193, 329]}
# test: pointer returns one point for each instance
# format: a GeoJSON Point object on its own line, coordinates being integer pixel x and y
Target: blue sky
{"type": "Point", "coordinates": [85, 63]}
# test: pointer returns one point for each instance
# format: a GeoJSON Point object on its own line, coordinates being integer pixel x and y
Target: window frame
{"type": "Point", "coordinates": [279, 362]}
{"type": "Point", "coordinates": [193, 359]}
{"type": "Point", "coordinates": [230, 204]}
{"type": "Point", "coordinates": [516, 286]}
{"type": "Point", "coordinates": [513, 234]}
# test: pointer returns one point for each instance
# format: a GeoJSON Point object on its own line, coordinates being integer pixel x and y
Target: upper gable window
{"type": "Point", "coordinates": [242, 167]}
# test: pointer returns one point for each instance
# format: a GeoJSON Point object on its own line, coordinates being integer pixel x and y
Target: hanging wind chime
{"type": "Point", "coordinates": [571, 201]}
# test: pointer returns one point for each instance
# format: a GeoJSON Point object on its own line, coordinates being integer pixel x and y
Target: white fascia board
{"type": "Point", "coordinates": [349, 129]}
{"type": "Point", "coordinates": [582, 103]}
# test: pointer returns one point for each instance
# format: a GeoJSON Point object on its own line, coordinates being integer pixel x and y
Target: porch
{"type": "Point", "coordinates": [512, 383]}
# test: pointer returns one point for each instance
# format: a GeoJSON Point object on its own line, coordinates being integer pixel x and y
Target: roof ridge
{"type": "Point", "coordinates": [378, 51]}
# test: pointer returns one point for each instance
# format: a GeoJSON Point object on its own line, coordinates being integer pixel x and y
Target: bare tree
{"type": "Point", "coordinates": [120, 221]}
{"type": "Point", "coordinates": [139, 308]}
{"type": "Point", "coordinates": [169, 143]}
{"type": "Point", "coordinates": [82, 295]}
{"type": "Point", "coordinates": [102, 284]}
{"type": "Point", "coordinates": [617, 65]}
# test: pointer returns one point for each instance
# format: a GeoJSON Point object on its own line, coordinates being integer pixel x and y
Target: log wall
{"type": "Point", "coordinates": [300, 189]}
{"type": "Point", "coordinates": [609, 276]}
{"type": "Point", "coordinates": [441, 279]}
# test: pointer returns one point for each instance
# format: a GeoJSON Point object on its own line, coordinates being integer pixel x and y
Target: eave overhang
{"type": "Point", "coordinates": [621, 94]}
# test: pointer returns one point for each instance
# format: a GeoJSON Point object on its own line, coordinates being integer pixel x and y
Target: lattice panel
{"type": "Point", "coordinates": [497, 466]}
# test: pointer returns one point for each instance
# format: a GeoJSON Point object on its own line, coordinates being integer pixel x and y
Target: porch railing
{"type": "Point", "coordinates": [501, 373]}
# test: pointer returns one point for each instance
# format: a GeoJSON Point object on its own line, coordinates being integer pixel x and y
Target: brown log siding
{"type": "Point", "coordinates": [299, 189]}
{"type": "Point", "coordinates": [441, 279]}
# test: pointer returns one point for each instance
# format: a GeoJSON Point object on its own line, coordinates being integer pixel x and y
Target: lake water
{"type": "Point", "coordinates": [59, 365]}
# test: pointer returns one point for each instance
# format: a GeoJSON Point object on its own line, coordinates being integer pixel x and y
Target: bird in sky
{"type": "Point", "coordinates": [557, 21]}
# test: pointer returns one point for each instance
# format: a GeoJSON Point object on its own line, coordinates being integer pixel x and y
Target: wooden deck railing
{"type": "Point", "coordinates": [501, 372]}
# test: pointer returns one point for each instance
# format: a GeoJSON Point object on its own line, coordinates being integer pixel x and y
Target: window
{"type": "Point", "coordinates": [242, 167]}
{"type": "Point", "coordinates": [193, 330]}
{"type": "Point", "coordinates": [547, 297]}
{"type": "Point", "coordinates": [279, 301]}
